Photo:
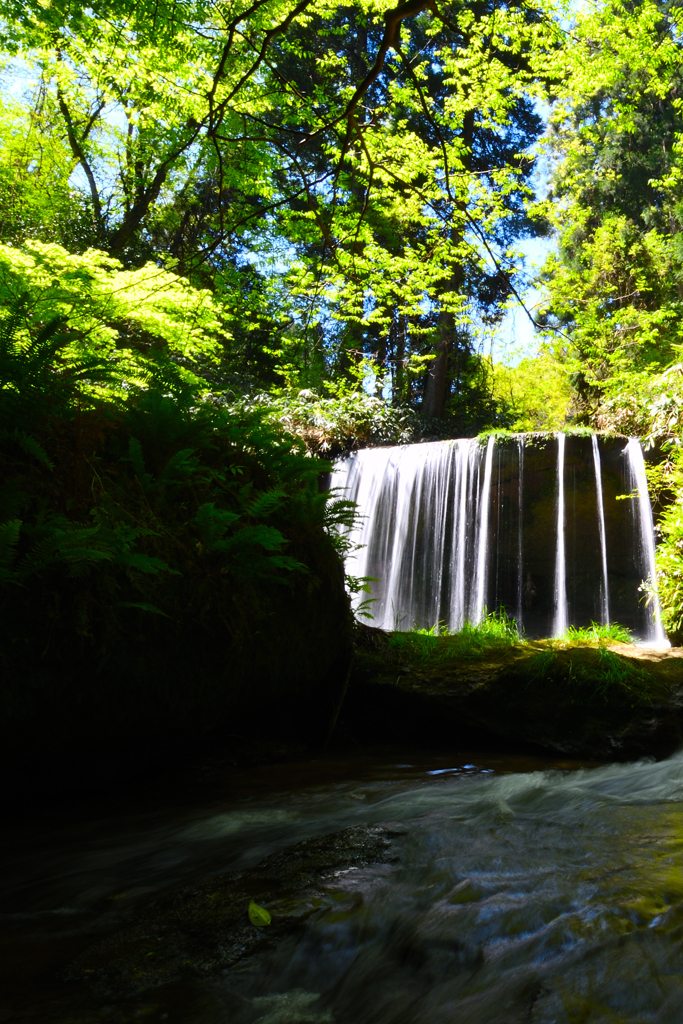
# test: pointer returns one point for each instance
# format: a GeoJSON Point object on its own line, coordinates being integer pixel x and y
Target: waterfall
{"type": "Point", "coordinates": [520, 531]}
{"type": "Point", "coordinates": [642, 511]}
{"type": "Point", "coordinates": [482, 539]}
{"type": "Point", "coordinates": [601, 528]}
{"type": "Point", "coordinates": [449, 528]}
{"type": "Point", "coordinates": [463, 476]}
{"type": "Point", "coordinates": [561, 620]}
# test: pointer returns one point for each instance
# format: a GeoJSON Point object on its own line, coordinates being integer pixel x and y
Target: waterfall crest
{"type": "Point", "coordinates": [449, 529]}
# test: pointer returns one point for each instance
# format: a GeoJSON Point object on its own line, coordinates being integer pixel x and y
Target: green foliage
{"type": "Point", "coordinates": [608, 678]}
{"type": "Point", "coordinates": [100, 316]}
{"type": "Point", "coordinates": [152, 483]}
{"type": "Point", "coordinates": [496, 632]}
{"type": "Point", "coordinates": [36, 199]}
{"type": "Point", "coordinates": [669, 555]}
{"type": "Point", "coordinates": [596, 633]}
{"type": "Point", "coordinates": [35, 377]}
{"type": "Point", "coordinates": [29, 550]}
{"type": "Point", "coordinates": [613, 676]}
{"type": "Point", "coordinates": [535, 395]}
{"type": "Point", "coordinates": [226, 145]}
{"type": "Point", "coordinates": [332, 425]}
{"type": "Point", "coordinates": [613, 288]}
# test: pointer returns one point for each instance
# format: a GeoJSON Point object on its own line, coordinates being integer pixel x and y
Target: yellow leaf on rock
{"type": "Point", "coordinates": [258, 915]}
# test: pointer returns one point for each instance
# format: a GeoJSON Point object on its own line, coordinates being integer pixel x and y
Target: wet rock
{"type": "Point", "coordinates": [205, 930]}
{"type": "Point", "coordinates": [616, 702]}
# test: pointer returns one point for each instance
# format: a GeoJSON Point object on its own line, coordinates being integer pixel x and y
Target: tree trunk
{"type": "Point", "coordinates": [437, 382]}
{"type": "Point", "coordinates": [398, 390]}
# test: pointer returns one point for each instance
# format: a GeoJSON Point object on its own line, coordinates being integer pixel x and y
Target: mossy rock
{"type": "Point", "coordinates": [614, 702]}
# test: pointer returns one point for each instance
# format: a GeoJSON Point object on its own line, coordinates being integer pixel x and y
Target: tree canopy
{"type": "Point", "coordinates": [344, 186]}
{"type": "Point", "coordinates": [348, 181]}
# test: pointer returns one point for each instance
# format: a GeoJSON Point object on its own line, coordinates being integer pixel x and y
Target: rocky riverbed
{"type": "Point", "coordinates": [204, 930]}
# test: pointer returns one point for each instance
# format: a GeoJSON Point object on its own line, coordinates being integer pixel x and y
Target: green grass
{"type": "Point", "coordinates": [595, 634]}
{"type": "Point", "coordinates": [495, 632]}
{"type": "Point", "coordinates": [613, 678]}
{"type": "Point", "coordinates": [609, 678]}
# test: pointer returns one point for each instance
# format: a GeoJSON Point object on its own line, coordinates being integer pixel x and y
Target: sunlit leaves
{"type": "Point", "coordinates": [107, 308]}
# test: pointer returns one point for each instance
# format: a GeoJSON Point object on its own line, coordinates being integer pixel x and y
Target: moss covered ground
{"type": "Point", "coordinates": [592, 697]}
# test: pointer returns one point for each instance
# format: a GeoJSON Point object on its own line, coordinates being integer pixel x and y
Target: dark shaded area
{"type": "Point", "coordinates": [169, 583]}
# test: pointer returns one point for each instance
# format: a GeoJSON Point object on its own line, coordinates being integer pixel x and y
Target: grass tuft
{"type": "Point", "coordinates": [595, 634]}
{"type": "Point", "coordinates": [607, 678]}
{"type": "Point", "coordinates": [495, 632]}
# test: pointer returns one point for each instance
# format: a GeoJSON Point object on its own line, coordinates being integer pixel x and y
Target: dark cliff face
{"type": "Point", "coordinates": [262, 659]}
{"type": "Point", "coordinates": [584, 572]}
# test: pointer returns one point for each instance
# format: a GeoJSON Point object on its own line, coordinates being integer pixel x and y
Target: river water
{"type": "Point", "coordinates": [522, 891]}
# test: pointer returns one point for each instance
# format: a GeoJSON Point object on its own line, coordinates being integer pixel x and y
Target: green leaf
{"type": "Point", "coordinates": [143, 607]}
{"type": "Point", "coordinates": [258, 915]}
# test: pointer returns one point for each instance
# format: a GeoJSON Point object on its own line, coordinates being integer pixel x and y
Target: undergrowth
{"type": "Point", "coordinates": [163, 559]}
{"type": "Point", "coordinates": [596, 633]}
{"type": "Point", "coordinates": [607, 678]}
{"type": "Point", "coordinates": [495, 632]}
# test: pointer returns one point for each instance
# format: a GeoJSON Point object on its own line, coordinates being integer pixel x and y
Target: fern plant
{"type": "Point", "coordinates": [35, 380]}
{"type": "Point", "coordinates": [27, 550]}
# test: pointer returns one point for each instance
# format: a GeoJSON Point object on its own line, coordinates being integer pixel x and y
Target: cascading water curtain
{"type": "Point", "coordinates": [422, 533]}
{"type": "Point", "coordinates": [601, 527]}
{"type": "Point", "coordinates": [520, 532]}
{"type": "Point", "coordinates": [561, 620]}
{"type": "Point", "coordinates": [642, 514]}
{"type": "Point", "coordinates": [449, 528]}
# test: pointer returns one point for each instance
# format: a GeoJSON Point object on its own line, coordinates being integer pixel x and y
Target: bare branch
{"type": "Point", "coordinates": [79, 155]}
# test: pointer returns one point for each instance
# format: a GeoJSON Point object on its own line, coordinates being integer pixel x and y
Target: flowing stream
{"type": "Point", "coordinates": [520, 891]}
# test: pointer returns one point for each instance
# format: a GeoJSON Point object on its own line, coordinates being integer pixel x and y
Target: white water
{"type": "Point", "coordinates": [483, 538]}
{"type": "Point", "coordinates": [645, 530]}
{"type": "Point", "coordinates": [601, 527]}
{"type": "Point", "coordinates": [561, 619]}
{"type": "Point", "coordinates": [463, 478]}
{"type": "Point", "coordinates": [429, 492]}
{"type": "Point", "coordinates": [512, 896]}
{"type": "Point", "coordinates": [520, 531]}
{"type": "Point", "coordinates": [447, 530]}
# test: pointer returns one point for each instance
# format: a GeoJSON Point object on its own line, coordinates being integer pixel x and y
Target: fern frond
{"type": "Point", "coordinates": [144, 563]}
{"type": "Point", "coordinates": [265, 503]}
{"type": "Point", "coordinates": [266, 537]}
{"type": "Point", "coordinates": [28, 444]}
{"type": "Point", "coordinates": [137, 461]}
{"type": "Point", "coordinates": [9, 538]}
{"type": "Point", "coordinates": [212, 524]}
{"type": "Point", "coordinates": [287, 562]}
{"type": "Point", "coordinates": [180, 465]}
